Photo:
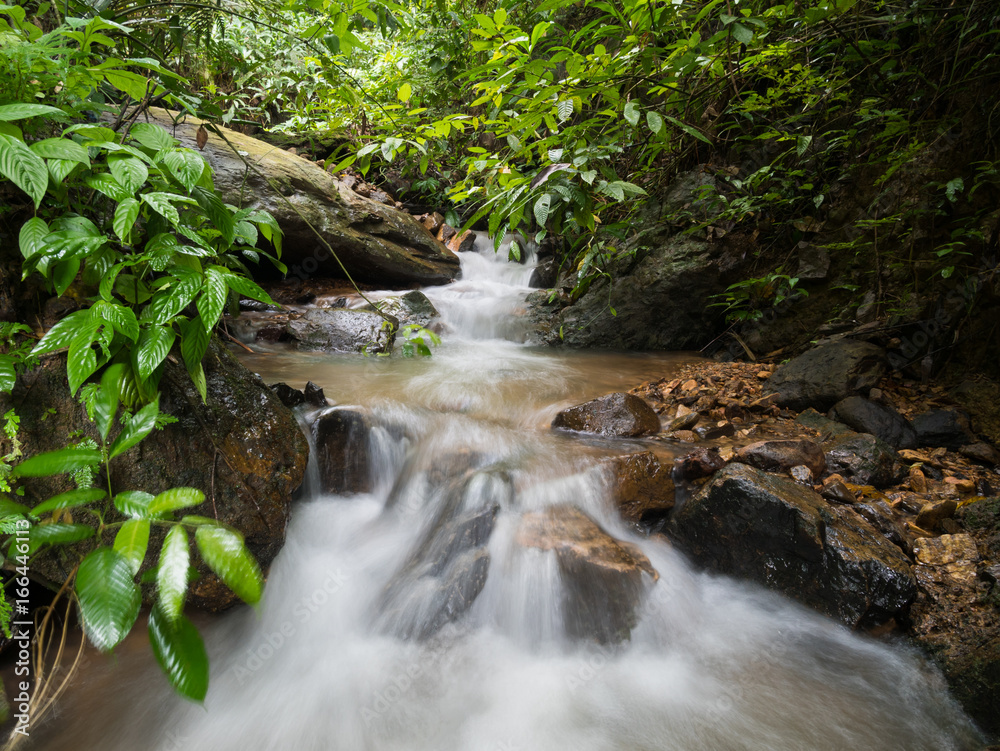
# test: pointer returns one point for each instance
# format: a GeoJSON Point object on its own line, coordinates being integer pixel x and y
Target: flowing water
{"type": "Point", "coordinates": [347, 652]}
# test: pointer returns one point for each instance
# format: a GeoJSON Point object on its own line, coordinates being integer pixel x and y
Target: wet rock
{"type": "Point", "coordinates": [289, 397]}
{"type": "Point", "coordinates": [463, 243]}
{"type": "Point", "coordinates": [879, 420]}
{"type": "Point", "coordinates": [642, 488]}
{"type": "Point", "coordinates": [766, 528]}
{"type": "Point", "coordinates": [702, 462]}
{"type": "Point", "coordinates": [935, 512]}
{"type": "Point", "coordinates": [721, 429]}
{"type": "Point", "coordinates": [683, 421]}
{"type": "Point", "coordinates": [271, 333]}
{"type": "Point", "coordinates": [314, 395]}
{"type": "Point", "coordinates": [834, 489]}
{"type": "Point", "coordinates": [602, 577]}
{"type": "Point", "coordinates": [341, 440]}
{"type": "Point", "coordinates": [981, 452]}
{"type": "Point", "coordinates": [241, 447]}
{"type": "Point", "coordinates": [374, 241]}
{"type": "Point", "coordinates": [445, 233]}
{"type": "Point", "coordinates": [944, 427]}
{"type": "Point", "coordinates": [824, 425]}
{"type": "Point", "coordinates": [412, 307]}
{"type": "Point", "coordinates": [801, 474]}
{"type": "Point", "coordinates": [781, 456]}
{"type": "Point", "coordinates": [881, 516]}
{"type": "Point", "coordinates": [826, 374]}
{"type": "Point", "coordinates": [544, 274]}
{"type": "Point", "coordinates": [343, 331]}
{"type": "Point", "coordinates": [814, 262]}
{"type": "Point", "coordinates": [863, 459]}
{"type": "Point", "coordinates": [617, 414]}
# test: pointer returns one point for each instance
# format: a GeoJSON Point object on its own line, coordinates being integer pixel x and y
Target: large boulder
{"type": "Point", "coordinates": [342, 330]}
{"type": "Point", "coordinates": [781, 456]}
{"type": "Point", "coordinates": [375, 242]}
{"type": "Point", "coordinates": [826, 374]}
{"type": "Point", "coordinates": [863, 459]}
{"type": "Point", "coordinates": [617, 414]}
{"type": "Point", "coordinates": [751, 524]}
{"type": "Point", "coordinates": [602, 577]}
{"type": "Point", "coordinates": [880, 420]}
{"type": "Point", "coordinates": [413, 307]}
{"type": "Point", "coordinates": [647, 304]}
{"type": "Point", "coordinates": [341, 437]}
{"type": "Point", "coordinates": [242, 447]}
{"type": "Point", "coordinates": [944, 427]}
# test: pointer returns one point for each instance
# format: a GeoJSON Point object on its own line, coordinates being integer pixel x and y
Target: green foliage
{"type": "Point", "coordinates": [417, 340]}
{"type": "Point", "coordinates": [747, 300]}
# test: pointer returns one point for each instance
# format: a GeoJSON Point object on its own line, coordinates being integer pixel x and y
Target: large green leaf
{"type": "Point", "coordinates": [172, 300]}
{"type": "Point", "coordinates": [176, 498]}
{"type": "Point", "coordinates": [106, 401]}
{"type": "Point", "coordinates": [132, 541]}
{"type": "Point", "coordinates": [8, 376]}
{"type": "Point", "coordinates": [32, 236]}
{"type": "Point", "coordinates": [153, 347]}
{"type": "Point", "coordinates": [160, 203]}
{"type": "Point", "coordinates": [137, 427]}
{"type": "Point", "coordinates": [109, 597]}
{"type": "Point", "coordinates": [61, 148]}
{"type": "Point", "coordinates": [194, 342]}
{"type": "Point", "coordinates": [186, 166]}
{"type": "Point", "coordinates": [21, 111]}
{"type": "Point", "coordinates": [128, 171]}
{"type": "Point", "coordinates": [134, 503]}
{"type": "Point", "coordinates": [120, 317]}
{"type": "Point", "coordinates": [223, 550]}
{"type": "Point", "coordinates": [57, 534]}
{"type": "Point", "coordinates": [81, 359]}
{"type": "Point", "coordinates": [220, 214]}
{"type": "Point", "coordinates": [125, 215]}
{"type": "Point", "coordinates": [152, 136]}
{"type": "Point", "coordinates": [69, 499]}
{"type": "Point", "coordinates": [64, 274]}
{"type": "Point", "coordinates": [108, 185]}
{"type": "Point", "coordinates": [212, 300]}
{"type": "Point", "coordinates": [133, 84]}
{"type": "Point", "coordinates": [23, 167]}
{"type": "Point", "coordinates": [247, 288]}
{"type": "Point", "coordinates": [57, 462]}
{"type": "Point", "coordinates": [181, 654]}
{"type": "Point", "coordinates": [172, 574]}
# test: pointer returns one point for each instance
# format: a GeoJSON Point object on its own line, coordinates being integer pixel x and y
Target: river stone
{"type": "Point", "coordinates": [342, 330]}
{"type": "Point", "coordinates": [340, 436]}
{"type": "Point", "coordinates": [944, 427]}
{"type": "Point", "coordinates": [826, 374]}
{"type": "Point", "coordinates": [375, 242]}
{"type": "Point", "coordinates": [617, 414]}
{"type": "Point", "coordinates": [242, 447]}
{"type": "Point", "coordinates": [781, 456]}
{"type": "Point", "coordinates": [602, 577]}
{"type": "Point", "coordinates": [641, 488]}
{"type": "Point", "coordinates": [751, 524]}
{"type": "Point", "coordinates": [863, 459]}
{"type": "Point", "coordinates": [880, 420]}
{"type": "Point", "coordinates": [412, 307]}
{"type": "Point", "coordinates": [289, 396]}
{"type": "Point", "coordinates": [702, 462]}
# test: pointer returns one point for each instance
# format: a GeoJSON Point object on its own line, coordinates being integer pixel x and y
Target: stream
{"type": "Point", "coordinates": [347, 651]}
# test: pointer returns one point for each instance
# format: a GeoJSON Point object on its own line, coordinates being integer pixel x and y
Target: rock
{"type": "Point", "coordinates": [545, 274]}
{"type": "Point", "coordinates": [826, 374]}
{"type": "Point", "coordinates": [944, 427]}
{"type": "Point", "coordinates": [721, 429]}
{"type": "Point", "coordinates": [617, 414]}
{"type": "Point", "coordinates": [375, 242]}
{"type": "Point", "coordinates": [863, 460]}
{"type": "Point", "coordinates": [935, 512]}
{"type": "Point", "coordinates": [341, 440]}
{"type": "Point", "coordinates": [412, 307]}
{"type": "Point", "coordinates": [242, 447]}
{"type": "Point", "coordinates": [442, 578]}
{"type": "Point", "coordinates": [289, 397]}
{"type": "Point", "coordinates": [601, 576]}
{"type": "Point", "coordinates": [699, 463]}
{"type": "Point", "coordinates": [917, 480]}
{"type": "Point", "coordinates": [683, 422]}
{"type": "Point", "coordinates": [642, 488]}
{"type": "Point", "coordinates": [343, 330]}
{"type": "Point", "coordinates": [834, 489]}
{"type": "Point", "coordinates": [781, 456]}
{"type": "Point", "coordinates": [314, 395]}
{"type": "Point", "coordinates": [445, 233]}
{"type": "Point", "coordinates": [828, 428]}
{"type": "Point", "coordinates": [801, 474]}
{"type": "Point", "coordinates": [981, 452]}
{"type": "Point", "coordinates": [814, 262]}
{"type": "Point", "coordinates": [881, 516]}
{"type": "Point", "coordinates": [881, 421]}
{"type": "Point", "coordinates": [766, 528]}
{"type": "Point", "coordinates": [650, 292]}
{"type": "Point", "coordinates": [684, 436]}
{"type": "Point", "coordinates": [463, 243]}
{"type": "Point", "coordinates": [431, 222]}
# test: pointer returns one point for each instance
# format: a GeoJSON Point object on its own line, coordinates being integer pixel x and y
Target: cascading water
{"type": "Point", "coordinates": [414, 617]}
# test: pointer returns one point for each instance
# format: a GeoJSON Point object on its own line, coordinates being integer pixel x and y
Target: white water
{"type": "Point", "coordinates": [713, 664]}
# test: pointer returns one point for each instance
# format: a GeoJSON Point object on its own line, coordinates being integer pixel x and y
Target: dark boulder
{"type": "Point", "coordinates": [410, 308]}
{"type": "Point", "coordinates": [242, 447]}
{"type": "Point", "coordinates": [758, 526]}
{"type": "Point", "coordinates": [290, 397]}
{"type": "Point", "coordinates": [781, 456]}
{"type": "Point", "coordinates": [880, 420]}
{"type": "Point", "coordinates": [375, 242]}
{"type": "Point", "coordinates": [863, 459]}
{"type": "Point", "coordinates": [343, 330]}
{"type": "Point", "coordinates": [944, 427]}
{"type": "Point", "coordinates": [702, 462]}
{"type": "Point", "coordinates": [826, 374]}
{"type": "Point", "coordinates": [602, 577]}
{"type": "Point", "coordinates": [617, 414]}
{"type": "Point", "coordinates": [342, 453]}
{"type": "Point", "coordinates": [641, 488]}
